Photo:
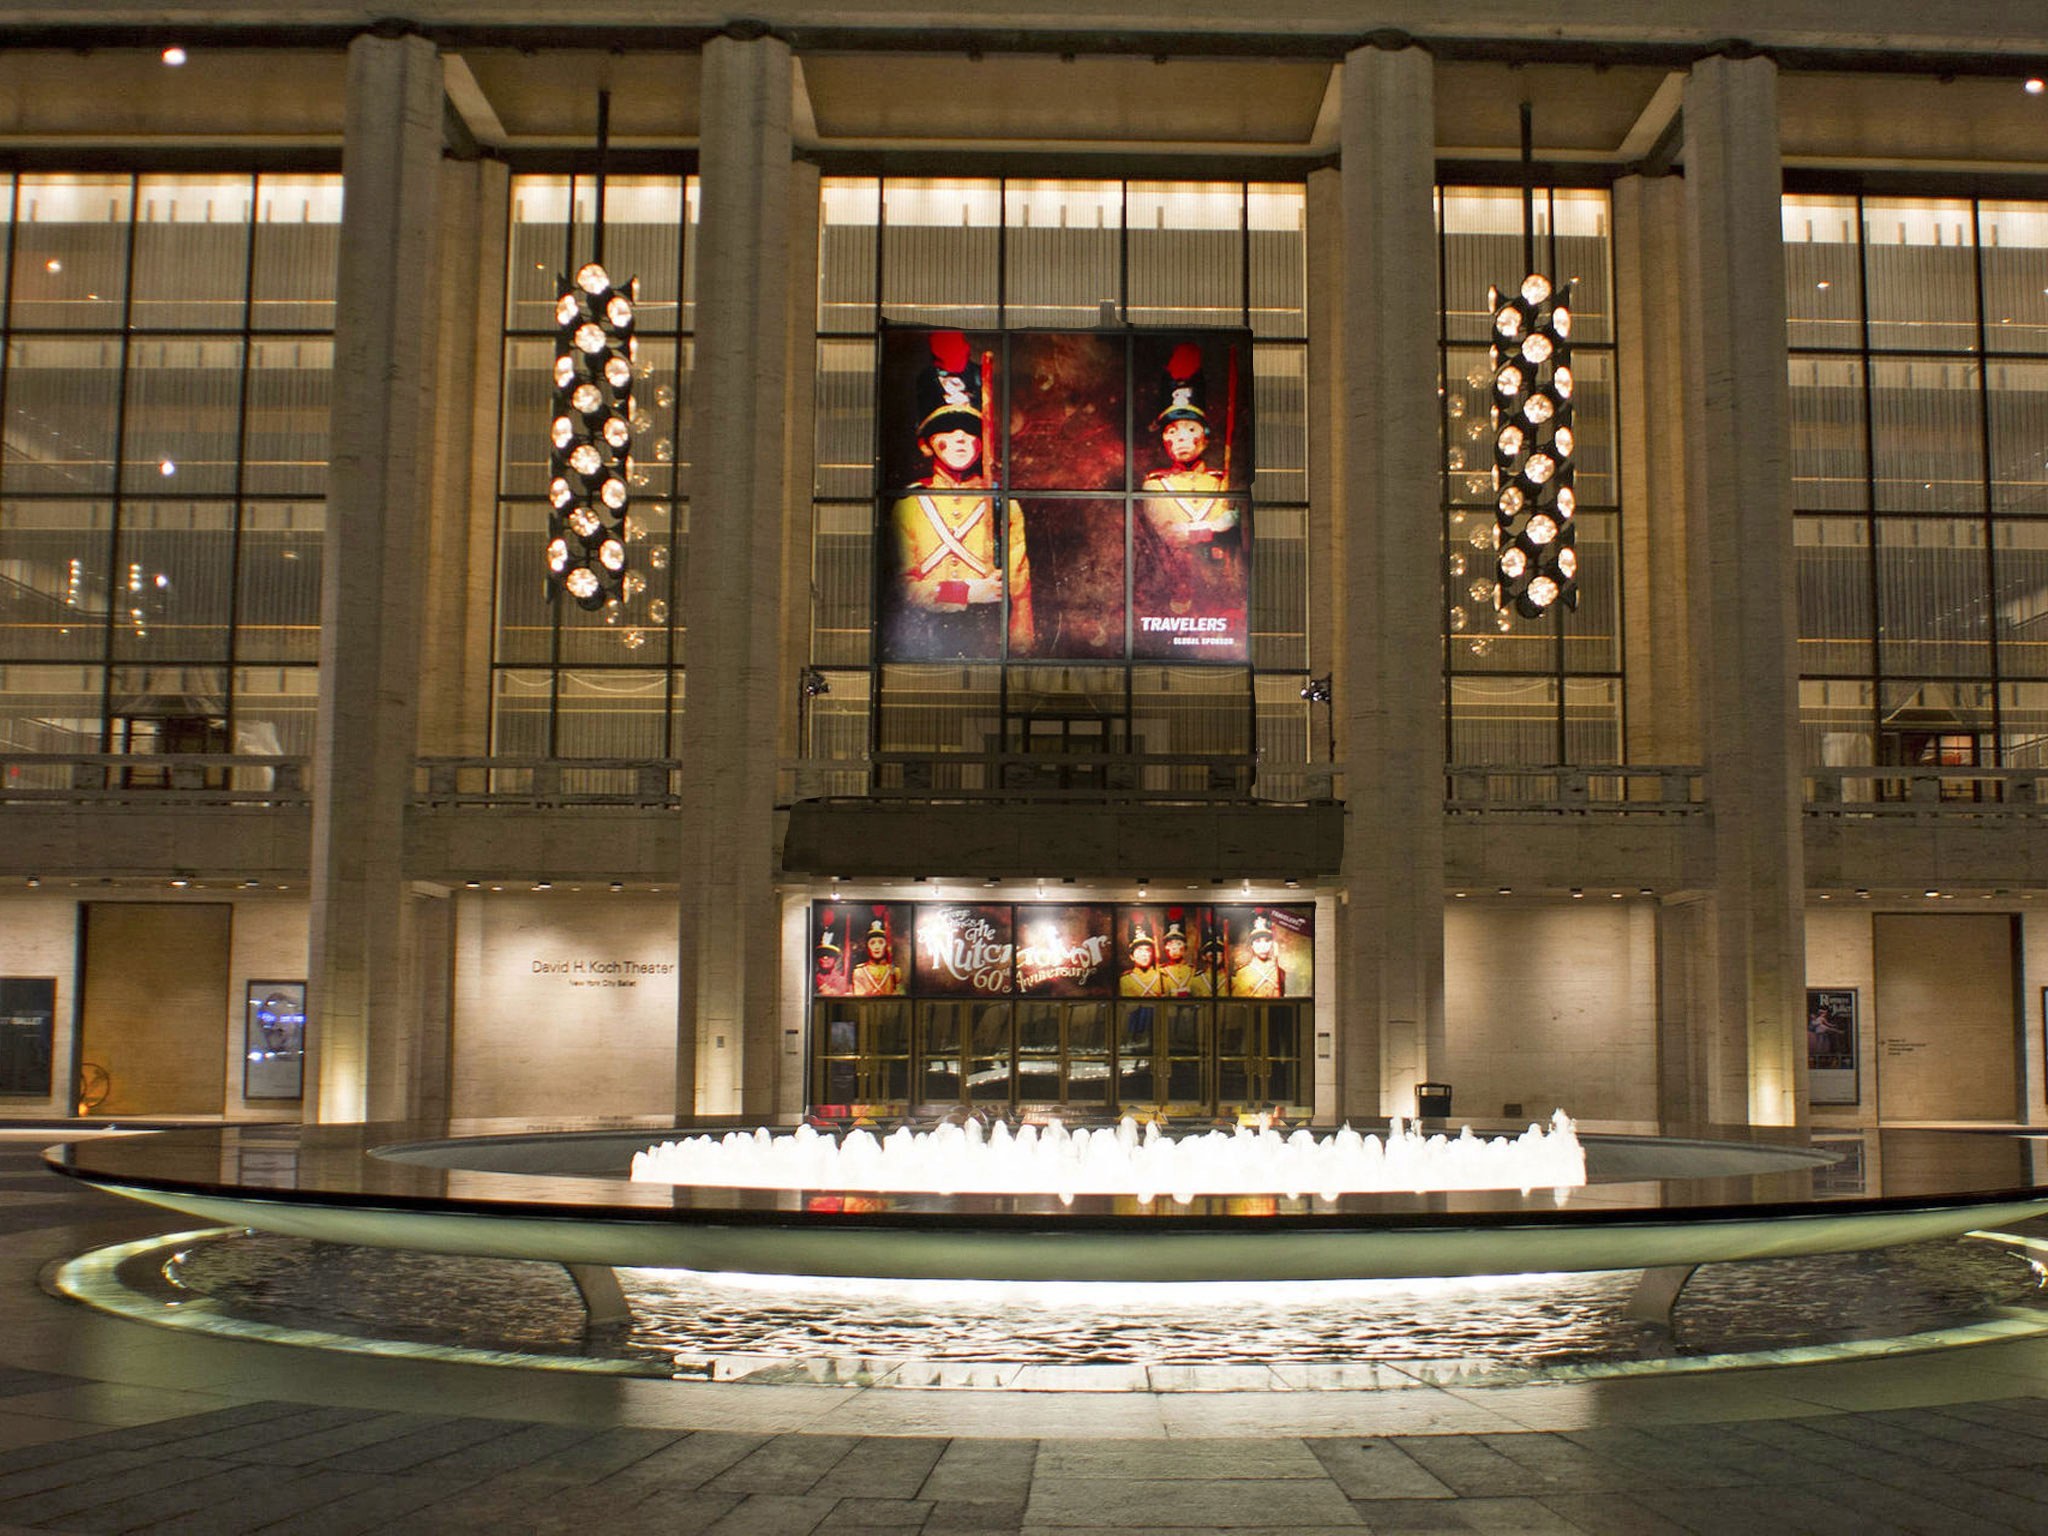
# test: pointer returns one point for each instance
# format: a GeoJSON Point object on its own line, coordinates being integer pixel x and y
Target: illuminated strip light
{"type": "Point", "coordinates": [590, 437]}
{"type": "Point", "coordinates": [1536, 560]}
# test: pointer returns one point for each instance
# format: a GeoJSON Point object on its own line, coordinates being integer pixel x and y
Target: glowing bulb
{"type": "Point", "coordinates": [1458, 620]}
{"type": "Point", "coordinates": [1534, 348]}
{"type": "Point", "coordinates": [633, 639]}
{"type": "Point", "coordinates": [1561, 382]}
{"type": "Point", "coordinates": [1479, 591]}
{"type": "Point", "coordinates": [619, 311]}
{"type": "Point", "coordinates": [616, 432]}
{"type": "Point", "coordinates": [567, 310]}
{"type": "Point", "coordinates": [1541, 467]}
{"type": "Point", "coordinates": [613, 493]}
{"type": "Point", "coordinates": [1510, 441]}
{"type": "Point", "coordinates": [562, 433]}
{"type": "Point", "coordinates": [1509, 381]}
{"type": "Point", "coordinates": [585, 459]}
{"type": "Point", "coordinates": [1538, 408]}
{"type": "Point", "coordinates": [559, 494]}
{"type": "Point", "coordinates": [1535, 287]}
{"type": "Point", "coordinates": [166, 468]}
{"type": "Point", "coordinates": [611, 554]}
{"type": "Point", "coordinates": [1561, 321]}
{"type": "Point", "coordinates": [619, 374]}
{"type": "Point", "coordinates": [558, 555]}
{"type": "Point", "coordinates": [1565, 441]}
{"type": "Point", "coordinates": [1512, 563]}
{"type": "Point", "coordinates": [1541, 530]}
{"type": "Point", "coordinates": [1509, 321]}
{"type": "Point", "coordinates": [1568, 563]}
{"type": "Point", "coordinates": [565, 371]}
{"type": "Point", "coordinates": [1567, 501]}
{"type": "Point", "coordinates": [1542, 592]}
{"type": "Point", "coordinates": [588, 399]}
{"type": "Point", "coordinates": [582, 582]}
{"type": "Point", "coordinates": [584, 523]}
{"type": "Point", "coordinates": [1511, 501]}
{"type": "Point", "coordinates": [590, 337]}
{"type": "Point", "coordinates": [1503, 621]}
{"type": "Point", "coordinates": [657, 612]}
{"type": "Point", "coordinates": [593, 279]}
{"type": "Point", "coordinates": [173, 56]}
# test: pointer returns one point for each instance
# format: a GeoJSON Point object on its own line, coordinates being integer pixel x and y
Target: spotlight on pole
{"type": "Point", "coordinates": [590, 436]}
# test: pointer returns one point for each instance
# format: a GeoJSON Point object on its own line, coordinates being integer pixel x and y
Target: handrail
{"type": "Point", "coordinates": [1638, 789]}
{"type": "Point", "coordinates": [1921, 790]}
{"type": "Point", "coordinates": [547, 782]}
{"type": "Point", "coordinates": [153, 779]}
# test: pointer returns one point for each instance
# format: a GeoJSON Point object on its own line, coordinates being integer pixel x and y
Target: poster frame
{"type": "Point", "coordinates": [49, 1029]}
{"type": "Point", "coordinates": [1825, 1087]}
{"type": "Point", "coordinates": [252, 1040]}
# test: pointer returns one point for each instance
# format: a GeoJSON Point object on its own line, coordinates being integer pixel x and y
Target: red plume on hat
{"type": "Point", "coordinates": [1185, 363]}
{"type": "Point", "coordinates": [1183, 392]}
{"type": "Point", "coordinates": [949, 349]}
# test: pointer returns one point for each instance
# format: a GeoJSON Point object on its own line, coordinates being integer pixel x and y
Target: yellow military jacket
{"type": "Point", "coordinates": [946, 555]}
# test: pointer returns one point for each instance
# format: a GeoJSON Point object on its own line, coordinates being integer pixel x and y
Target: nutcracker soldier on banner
{"type": "Point", "coordinates": [828, 978]}
{"type": "Point", "coordinates": [952, 571]}
{"type": "Point", "coordinates": [1175, 971]}
{"type": "Point", "coordinates": [878, 975]}
{"type": "Point", "coordinates": [1262, 974]}
{"type": "Point", "coordinates": [1197, 554]}
{"type": "Point", "coordinates": [1142, 978]}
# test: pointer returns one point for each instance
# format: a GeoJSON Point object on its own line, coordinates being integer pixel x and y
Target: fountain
{"type": "Point", "coordinates": [1123, 1160]}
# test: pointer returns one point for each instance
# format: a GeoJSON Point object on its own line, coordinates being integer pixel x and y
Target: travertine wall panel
{"type": "Point", "coordinates": [1946, 1035]}
{"type": "Point", "coordinates": [563, 1006]}
{"type": "Point", "coordinates": [1552, 1008]}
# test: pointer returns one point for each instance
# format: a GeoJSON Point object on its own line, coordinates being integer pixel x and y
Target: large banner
{"type": "Point", "coordinates": [1075, 950]}
{"type": "Point", "coordinates": [1062, 495]}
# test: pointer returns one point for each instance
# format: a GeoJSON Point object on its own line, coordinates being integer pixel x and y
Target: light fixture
{"type": "Point", "coordinates": [473, 885]}
{"type": "Point", "coordinates": [1041, 888]}
{"type": "Point", "coordinates": [1247, 886]}
{"type": "Point", "coordinates": [1861, 894]}
{"type": "Point", "coordinates": [174, 56]}
{"type": "Point", "coordinates": [618, 886]}
{"type": "Point", "coordinates": [166, 467]}
{"type": "Point", "coordinates": [1930, 892]}
{"type": "Point", "coordinates": [1536, 567]}
{"type": "Point", "coordinates": [1644, 890]}
{"type": "Point", "coordinates": [590, 429]}
{"type": "Point", "coordinates": [1505, 890]}
{"type": "Point", "coordinates": [250, 885]}
{"type": "Point", "coordinates": [835, 887]}
{"type": "Point", "coordinates": [543, 885]}
{"type": "Point", "coordinates": [1578, 894]}
{"type": "Point", "coordinates": [179, 882]}
{"type": "Point", "coordinates": [53, 265]}
{"type": "Point", "coordinates": [34, 882]}
{"type": "Point", "coordinates": [1317, 689]}
{"type": "Point", "coordinates": [2036, 86]}
{"type": "Point", "coordinates": [1143, 882]}
{"type": "Point", "coordinates": [814, 683]}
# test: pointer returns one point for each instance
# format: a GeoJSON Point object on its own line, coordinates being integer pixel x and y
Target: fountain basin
{"type": "Point", "coordinates": [559, 1194]}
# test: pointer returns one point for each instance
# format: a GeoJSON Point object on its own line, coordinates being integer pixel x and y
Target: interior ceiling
{"type": "Point", "coordinates": [1011, 101]}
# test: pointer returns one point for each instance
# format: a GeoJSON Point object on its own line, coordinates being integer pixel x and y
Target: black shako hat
{"type": "Point", "coordinates": [949, 392]}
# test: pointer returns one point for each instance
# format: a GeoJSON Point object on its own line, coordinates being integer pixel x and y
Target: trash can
{"type": "Point", "coordinates": [1432, 1101]}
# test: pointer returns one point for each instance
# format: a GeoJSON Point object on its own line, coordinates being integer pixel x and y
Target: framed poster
{"type": "Point", "coordinates": [274, 1040]}
{"type": "Point", "coordinates": [1064, 495]}
{"type": "Point", "coordinates": [1831, 1045]}
{"type": "Point", "coordinates": [28, 1024]}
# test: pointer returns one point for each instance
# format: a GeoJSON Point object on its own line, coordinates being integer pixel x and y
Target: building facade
{"type": "Point", "coordinates": [316, 799]}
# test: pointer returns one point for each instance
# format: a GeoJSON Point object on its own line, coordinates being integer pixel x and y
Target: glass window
{"type": "Point", "coordinates": [1548, 689]}
{"type": "Point", "coordinates": [570, 681]}
{"type": "Point", "coordinates": [161, 468]}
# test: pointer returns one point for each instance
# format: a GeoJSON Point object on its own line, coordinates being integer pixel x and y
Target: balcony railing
{"type": "Point", "coordinates": [1603, 789]}
{"type": "Point", "coordinates": [152, 780]}
{"type": "Point", "coordinates": [546, 783]}
{"type": "Point", "coordinates": [1922, 792]}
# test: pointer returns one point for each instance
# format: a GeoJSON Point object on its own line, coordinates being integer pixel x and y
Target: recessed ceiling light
{"type": "Point", "coordinates": [174, 56]}
{"type": "Point", "coordinates": [2036, 86]}
{"type": "Point", "coordinates": [54, 265]}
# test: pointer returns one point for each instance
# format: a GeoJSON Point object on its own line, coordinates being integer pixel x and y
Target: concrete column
{"type": "Point", "coordinates": [456, 622]}
{"type": "Point", "coordinates": [730, 933]}
{"type": "Point", "coordinates": [1390, 713]}
{"type": "Point", "coordinates": [1741, 573]}
{"type": "Point", "coordinates": [371, 576]}
{"type": "Point", "coordinates": [1660, 641]}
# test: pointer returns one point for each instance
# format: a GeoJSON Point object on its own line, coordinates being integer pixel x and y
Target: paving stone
{"type": "Point", "coordinates": [603, 1453]}
{"type": "Point", "coordinates": [513, 1451]}
{"type": "Point", "coordinates": [285, 1494]}
{"type": "Point", "coordinates": [1608, 1514]}
{"type": "Point", "coordinates": [979, 1471]}
{"type": "Point", "coordinates": [148, 1509]}
{"type": "Point", "coordinates": [1962, 1515]}
{"type": "Point", "coordinates": [1149, 1503]}
{"type": "Point", "coordinates": [1555, 1463]}
{"type": "Point", "coordinates": [79, 1494]}
{"type": "Point", "coordinates": [382, 1506]}
{"type": "Point", "coordinates": [887, 1469]}
{"type": "Point", "coordinates": [1465, 1465]}
{"type": "Point", "coordinates": [1746, 1511]}
{"type": "Point", "coordinates": [408, 1452]}
{"type": "Point", "coordinates": [966, 1517]}
{"type": "Point", "coordinates": [690, 1463]}
{"type": "Point", "coordinates": [1891, 1440]}
{"type": "Point", "coordinates": [890, 1512]}
{"type": "Point", "coordinates": [774, 1514]}
{"type": "Point", "coordinates": [788, 1464]}
{"type": "Point", "coordinates": [1376, 1469]}
{"type": "Point", "coordinates": [297, 1450]}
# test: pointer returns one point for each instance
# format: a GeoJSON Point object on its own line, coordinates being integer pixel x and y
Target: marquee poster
{"type": "Point", "coordinates": [1082, 950]}
{"type": "Point", "coordinates": [1064, 495]}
